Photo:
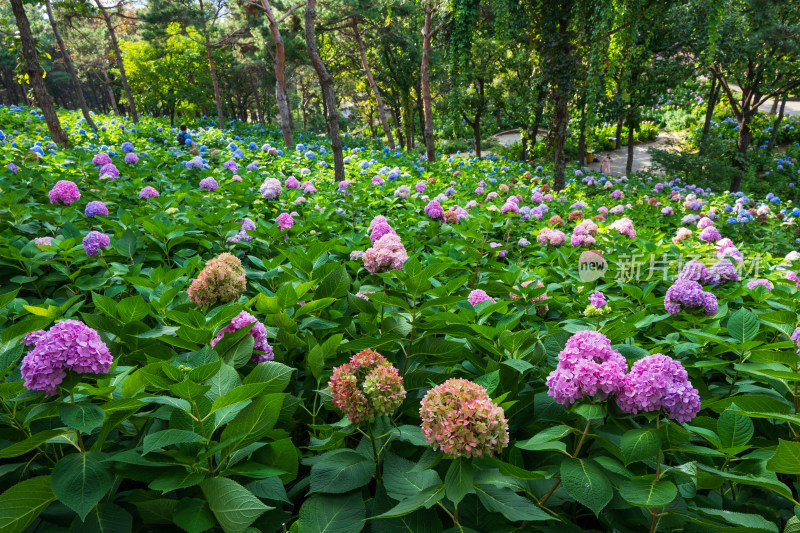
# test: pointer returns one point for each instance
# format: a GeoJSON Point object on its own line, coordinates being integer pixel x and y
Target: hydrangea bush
{"type": "Point", "coordinates": [454, 346]}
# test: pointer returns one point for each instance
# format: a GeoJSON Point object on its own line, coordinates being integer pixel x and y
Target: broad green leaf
{"type": "Point", "coordinates": [22, 503]}
{"type": "Point", "coordinates": [273, 376]}
{"type": "Point", "coordinates": [82, 416]}
{"type": "Point", "coordinates": [240, 394]}
{"type": "Point", "coordinates": [162, 439]}
{"type": "Point", "coordinates": [547, 439]}
{"type": "Point", "coordinates": [341, 471]}
{"type": "Point", "coordinates": [734, 428]}
{"type": "Point", "coordinates": [510, 504]}
{"type": "Point", "coordinates": [587, 483]}
{"type": "Point", "coordinates": [331, 513]}
{"type": "Point", "coordinates": [458, 481]}
{"type": "Point", "coordinates": [37, 439]}
{"type": "Point", "coordinates": [648, 492]}
{"type": "Point", "coordinates": [786, 459]}
{"type": "Point", "coordinates": [106, 517]}
{"type": "Point", "coordinates": [640, 445]}
{"type": "Point", "coordinates": [401, 481]}
{"type": "Point", "coordinates": [80, 480]}
{"type": "Point", "coordinates": [234, 506]}
{"type": "Point", "coordinates": [743, 325]}
{"type": "Point", "coordinates": [193, 515]}
{"type": "Point", "coordinates": [334, 285]}
{"type": "Point", "coordinates": [425, 498]}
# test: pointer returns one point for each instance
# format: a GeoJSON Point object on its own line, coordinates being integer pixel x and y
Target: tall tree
{"type": "Point", "coordinates": [35, 73]}
{"type": "Point", "coordinates": [118, 55]}
{"type": "Point", "coordinates": [326, 85]}
{"type": "Point", "coordinates": [371, 80]}
{"type": "Point", "coordinates": [428, 32]}
{"type": "Point", "coordinates": [76, 84]}
{"type": "Point", "coordinates": [281, 94]}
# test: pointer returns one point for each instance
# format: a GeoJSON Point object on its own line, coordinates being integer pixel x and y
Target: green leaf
{"type": "Point", "coordinates": [786, 459]}
{"type": "Point", "coordinates": [341, 471]}
{"type": "Point", "coordinates": [586, 483]}
{"type": "Point", "coordinates": [458, 481]}
{"type": "Point", "coordinates": [80, 480]}
{"type": "Point", "coordinates": [132, 309]}
{"type": "Point", "coordinates": [106, 518]}
{"type": "Point", "coordinates": [547, 439]}
{"type": "Point", "coordinates": [125, 245]}
{"type": "Point", "coordinates": [240, 394]}
{"type": "Point", "coordinates": [734, 428]}
{"type": "Point", "coordinates": [82, 416]}
{"type": "Point", "coordinates": [510, 504]}
{"type": "Point", "coordinates": [327, 513]}
{"type": "Point", "coordinates": [401, 482]}
{"type": "Point", "coordinates": [426, 498]}
{"type": "Point", "coordinates": [18, 448]}
{"type": "Point", "coordinates": [22, 503]}
{"type": "Point", "coordinates": [274, 376]}
{"type": "Point", "coordinates": [193, 515]}
{"type": "Point", "coordinates": [648, 492]}
{"type": "Point", "coordinates": [234, 506]}
{"type": "Point", "coordinates": [743, 325]}
{"type": "Point", "coordinates": [177, 478]}
{"type": "Point", "coordinates": [107, 305]}
{"type": "Point", "coordinates": [162, 439]}
{"type": "Point", "coordinates": [334, 285]}
{"type": "Point", "coordinates": [640, 445]}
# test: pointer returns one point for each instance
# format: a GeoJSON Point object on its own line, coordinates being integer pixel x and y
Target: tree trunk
{"type": "Point", "coordinates": [326, 85]}
{"type": "Point", "coordinates": [776, 125]}
{"type": "Point", "coordinates": [427, 105]}
{"type": "Point", "coordinates": [632, 125]}
{"type": "Point", "coordinates": [398, 124]}
{"type": "Point", "coordinates": [35, 73]}
{"type": "Point", "coordinates": [374, 86]}
{"type": "Point", "coordinates": [742, 145]}
{"type": "Point", "coordinates": [123, 78]}
{"type": "Point", "coordinates": [713, 96]}
{"type": "Point", "coordinates": [537, 119]}
{"type": "Point", "coordinates": [559, 135]}
{"type": "Point", "coordinates": [257, 98]}
{"type": "Point", "coordinates": [76, 85]}
{"type": "Point", "coordinates": [418, 108]}
{"type": "Point", "coordinates": [280, 77]}
{"type": "Point", "coordinates": [619, 130]}
{"type": "Point", "coordinates": [774, 108]}
{"type": "Point", "coordinates": [408, 117]}
{"type": "Point", "coordinates": [582, 135]}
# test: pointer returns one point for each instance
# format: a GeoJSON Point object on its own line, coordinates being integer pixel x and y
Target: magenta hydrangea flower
{"type": "Point", "coordinates": [377, 180]}
{"type": "Point", "coordinates": [551, 237]}
{"type": "Point", "coordinates": [598, 300]}
{"type": "Point", "coordinates": [379, 230]}
{"type": "Point", "coordinates": [70, 345]}
{"type": "Point", "coordinates": [284, 221]}
{"type": "Point", "coordinates": [710, 234]}
{"type": "Point", "coordinates": [262, 351]}
{"type": "Point", "coordinates": [94, 242]}
{"type": "Point", "coordinates": [209, 184]}
{"type": "Point", "coordinates": [381, 387]}
{"type": "Point", "coordinates": [461, 419]}
{"type": "Point", "coordinates": [291, 183]}
{"type": "Point", "coordinates": [64, 192]}
{"type": "Point", "coordinates": [760, 282]}
{"type": "Point", "coordinates": [110, 170]}
{"type": "Point", "coordinates": [388, 253]}
{"type": "Point", "coordinates": [624, 226]}
{"type": "Point", "coordinates": [420, 187]}
{"type": "Point", "coordinates": [510, 207]}
{"type": "Point", "coordinates": [477, 296]}
{"type": "Point", "coordinates": [131, 158]}
{"type": "Point", "coordinates": [101, 159]}
{"type": "Point", "coordinates": [148, 192]}
{"type": "Point", "coordinates": [796, 338]}
{"type": "Point", "coordinates": [43, 241]}
{"type": "Point", "coordinates": [657, 383]}
{"type": "Point", "coordinates": [689, 294]}
{"type": "Point", "coordinates": [95, 208]}
{"type": "Point", "coordinates": [237, 178]}
{"type": "Point", "coordinates": [231, 165]}
{"type": "Point", "coordinates": [587, 366]}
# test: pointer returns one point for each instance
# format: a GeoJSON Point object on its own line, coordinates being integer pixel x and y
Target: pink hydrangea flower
{"type": "Point", "coordinates": [657, 383]}
{"type": "Point", "coordinates": [148, 192]}
{"type": "Point", "coordinates": [461, 419]}
{"type": "Point", "coordinates": [381, 387]}
{"type": "Point", "coordinates": [101, 159]}
{"type": "Point", "coordinates": [760, 282]}
{"type": "Point", "coordinates": [386, 254]}
{"type": "Point", "coordinates": [284, 221]}
{"type": "Point", "coordinates": [477, 296]}
{"type": "Point", "coordinates": [291, 183]}
{"type": "Point", "coordinates": [64, 192]}
{"type": "Point", "coordinates": [222, 280]}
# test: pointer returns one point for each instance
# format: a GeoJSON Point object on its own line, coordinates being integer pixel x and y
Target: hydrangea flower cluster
{"type": "Point", "coordinates": [598, 306]}
{"type": "Point", "coordinates": [101, 159]}
{"type": "Point", "coordinates": [95, 208]}
{"type": "Point", "coordinates": [131, 158]}
{"type": "Point", "coordinates": [209, 184]}
{"type": "Point", "coordinates": [262, 351]}
{"type": "Point", "coordinates": [434, 210]}
{"type": "Point", "coordinates": [387, 253]}
{"type": "Point", "coordinates": [110, 171]}
{"type": "Point", "coordinates": [689, 294]}
{"type": "Point", "coordinates": [64, 192]}
{"type": "Point", "coordinates": [461, 419]}
{"type": "Point", "coordinates": [726, 248]}
{"type": "Point", "coordinates": [222, 280]}
{"type": "Point", "coordinates": [551, 237]}
{"type": "Point", "coordinates": [587, 366]}
{"type": "Point", "coordinates": [760, 282]}
{"type": "Point", "coordinates": [270, 189]}
{"type": "Point", "coordinates": [624, 226]}
{"type": "Point", "coordinates": [681, 235]}
{"type": "Point", "coordinates": [378, 228]}
{"type": "Point", "coordinates": [584, 234]}
{"type": "Point", "coordinates": [68, 345]}
{"type": "Point", "coordinates": [659, 383]}
{"type": "Point", "coordinates": [148, 192]}
{"type": "Point", "coordinates": [284, 221]}
{"type": "Point", "coordinates": [94, 242]}
{"type": "Point", "coordinates": [710, 234]}
{"type": "Point", "coordinates": [477, 296]}
{"type": "Point", "coordinates": [381, 387]}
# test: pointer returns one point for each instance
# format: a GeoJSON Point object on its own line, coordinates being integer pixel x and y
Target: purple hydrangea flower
{"type": "Point", "coordinates": [434, 210]}
{"type": "Point", "coordinates": [477, 296]}
{"type": "Point", "coordinates": [598, 300]}
{"type": "Point", "coordinates": [131, 158]}
{"type": "Point", "coordinates": [148, 192]}
{"type": "Point", "coordinates": [94, 241]}
{"type": "Point", "coordinates": [95, 208]}
{"type": "Point", "coordinates": [110, 170]}
{"type": "Point", "coordinates": [127, 147]}
{"type": "Point", "coordinates": [258, 332]}
{"type": "Point", "coordinates": [689, 294]}
{"type": "Point", "coordinates": [64, 192]}
{"type": "Point", "coordinates": [101, 159]}
{"type": "Point", "coordinates": [209, 184]}
{"type": "Point", "coordinates": [657, 383]}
